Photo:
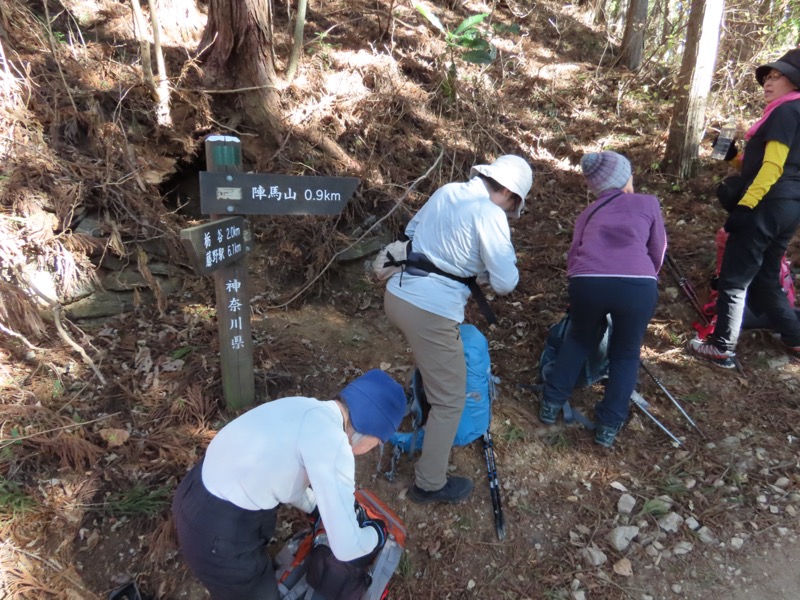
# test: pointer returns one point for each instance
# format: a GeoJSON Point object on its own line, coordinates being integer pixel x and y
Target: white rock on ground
{"type": "Point", "coordinates": [625, 504]}
{"type": "Point", "coordinates": [682, 547]}
{"type": "Point", "coordinates": [706, 535]}
{"type": "Point", "coordinates": [670, 522]}
{"type": "Point", "coordinates": [692, 523]}
{"type": "Point", "coordinates": [620, 537]}
{"type": "Point", "coordinates": [593, 557]}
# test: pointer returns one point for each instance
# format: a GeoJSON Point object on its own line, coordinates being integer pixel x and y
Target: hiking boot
{"type": "Point", "coordinates": [548, 413]}
{"type": "Point", "coordinates": [708, 351]}
{"type": "Point", "coordinates": [457, 489]}
{"type": "Point", "coordinates": [606, 434]}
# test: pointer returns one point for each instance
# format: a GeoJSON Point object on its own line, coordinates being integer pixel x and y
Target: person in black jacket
{"type": "Point", "coordinates": [763, 221]}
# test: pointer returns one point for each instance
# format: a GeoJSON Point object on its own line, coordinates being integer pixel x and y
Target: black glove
{"type": "Point", "coordinates": [361, 514]}
{"type": "Point", "coordinates": [380, 528]}
{"type": "Point", "coordinates": [732, 150]}
{"type": "Point", "coordinates": [738, 218]}
{"type": "Point", "coordinates": [312, 517]}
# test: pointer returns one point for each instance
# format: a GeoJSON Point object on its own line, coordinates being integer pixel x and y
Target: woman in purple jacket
{"type": "Point", "coordinates": [617, 251]}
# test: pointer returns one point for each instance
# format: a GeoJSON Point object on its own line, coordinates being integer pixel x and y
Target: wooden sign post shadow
{"type": "Point", "coordinates": [220, 247]}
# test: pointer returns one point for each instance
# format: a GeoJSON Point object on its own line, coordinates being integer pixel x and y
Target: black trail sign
{"type": "Point", "coordinates": [217, 243]}
{"type": "Point", "coordinates": [259, 194]}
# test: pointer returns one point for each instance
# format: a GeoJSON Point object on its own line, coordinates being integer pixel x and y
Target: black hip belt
{"type": "Point", "coordinates": [419, 265]}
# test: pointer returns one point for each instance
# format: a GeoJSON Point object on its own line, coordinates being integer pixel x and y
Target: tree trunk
{"type": "Point", "coordinates": [239, 57]}
{"type": "Point", "coordinates": [633, 38]}
{"type": "Point", "coordinates": [163, 115]}
{"type": "Point", "coordinates": [238, 37]}
{"type": "Point", "coordinates": [297, 44]}
{"type": "Point", "coordinates": [599, 12]}
{"type": "Point", "coordinates": [181, 21]}
{"type": "Point", "coordinates": [692, 87]}
{"type": "Point", "coordinates": [666, 29]}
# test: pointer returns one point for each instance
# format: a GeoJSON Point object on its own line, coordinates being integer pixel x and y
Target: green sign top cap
{"type": "Point", "coordinates": [229, 139]}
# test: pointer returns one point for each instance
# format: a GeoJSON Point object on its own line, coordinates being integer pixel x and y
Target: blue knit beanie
{"type": "Point", "coordinates": [377, 404]}
{"type": "Point", "coordinates": [605, 171]}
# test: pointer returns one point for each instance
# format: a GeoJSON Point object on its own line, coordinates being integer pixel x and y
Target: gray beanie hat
{"type": "Point", "coordinates": [605, 171]}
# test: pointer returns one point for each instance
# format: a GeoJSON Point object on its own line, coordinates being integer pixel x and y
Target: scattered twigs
{"type": "Point", "coordinates": [7, 442]}
{"type": "Point", "coordinates": [59, 569]}
{"type": "Point", "coordinates": [56, 309]}
{"type": "Point", "coordinates": [19, 336]}
{"type": "Point", "coordinates": [52, 43]}
{"type": "Point", "coordinates": [397, 205]}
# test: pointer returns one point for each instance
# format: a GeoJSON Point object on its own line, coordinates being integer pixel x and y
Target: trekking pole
{"type": "Point", "coordinates": [644, 405]}
{"type": "Point", "coordinates": [494, 486]}
{"type": "Point", "coordinates": [686, 287]}
{"type": "Point", "coordinates": [671, 397]}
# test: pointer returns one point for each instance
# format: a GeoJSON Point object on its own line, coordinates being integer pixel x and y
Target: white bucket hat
{"type": "Point", "coordinates": [512, 172]}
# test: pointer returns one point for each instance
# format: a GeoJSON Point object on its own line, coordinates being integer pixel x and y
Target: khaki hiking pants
{"type": "Point", "coordinates": [439, 355]}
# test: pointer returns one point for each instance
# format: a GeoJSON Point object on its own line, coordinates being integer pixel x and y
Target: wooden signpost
{"type": "Point", "coordinates": [214, 245]}
{"type": "Point", "coordinates": [220, 247]}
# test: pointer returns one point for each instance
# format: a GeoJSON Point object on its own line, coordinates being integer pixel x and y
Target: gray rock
{"type": "Point", "coordinates": [778, 362]}
{"type": "Point", "coordinates": [593, 556]}
{"type": "Point", "coordinates": [705, 535]}
{"type": "Point", "coordinates": [682, 547]}
{"type": "Point", "coordinates": [620, 537]}
{"type": "Point", "coordinates": [625, 504]}
{"type": "Point", "coordinates": [670, 522]}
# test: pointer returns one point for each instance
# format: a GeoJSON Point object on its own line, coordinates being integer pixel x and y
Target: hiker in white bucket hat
{"type": "Point", "coordinates": [511, 172]}
{"type": "Point", "coordinates": [460, 233]}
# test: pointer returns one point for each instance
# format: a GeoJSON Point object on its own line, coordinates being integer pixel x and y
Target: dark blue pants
{"type": "Point", "coordinates": [225, 546]}
{"type": "Point", "coordinates": [751, 269]}
{"type": "Point", "coordinates": [630, 302]}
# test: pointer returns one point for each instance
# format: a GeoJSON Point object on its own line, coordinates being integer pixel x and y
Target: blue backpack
{"type": "Point", "coordinates": [477, 409]}
{"type": "Point", "coordinates": [596, 366]}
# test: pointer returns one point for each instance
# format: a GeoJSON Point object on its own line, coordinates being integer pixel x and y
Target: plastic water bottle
{"type": "Point", "coordinates": [724, 141]}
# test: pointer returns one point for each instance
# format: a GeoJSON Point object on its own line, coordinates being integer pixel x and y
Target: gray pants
{"type": "Point", "coordinates": [439, 355]}
{"type": "Point", "coordinates": [225, 546]}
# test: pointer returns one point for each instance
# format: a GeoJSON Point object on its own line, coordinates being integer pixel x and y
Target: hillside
{"type": "Point", "coordinates": [102, 414]}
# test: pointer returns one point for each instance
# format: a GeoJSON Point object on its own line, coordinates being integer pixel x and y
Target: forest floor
{"type": "Point", "coordinates": [87, 471]}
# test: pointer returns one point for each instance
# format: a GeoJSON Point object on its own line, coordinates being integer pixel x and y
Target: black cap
{"type": "Point", "coordinates": [788, 64]}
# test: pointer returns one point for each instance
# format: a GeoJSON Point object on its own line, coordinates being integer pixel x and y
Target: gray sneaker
{"type": "Point", "coordinates": [606, 434]}
{"type": "Point", "coordinates": [548, 413]}
{"type": "Point", "coordinates": [708, 351]}
{"type": "Point", "coordinates": [457, 489]}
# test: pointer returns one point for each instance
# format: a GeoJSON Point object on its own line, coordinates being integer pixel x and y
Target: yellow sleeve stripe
{"type": "Point", "coordinates": [775, 155]}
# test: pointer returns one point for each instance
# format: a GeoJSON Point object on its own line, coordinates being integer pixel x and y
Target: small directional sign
{"type": "Point", "coordinates": [217, 243]}
{"type": "Point", "coordinates": [259, 194]}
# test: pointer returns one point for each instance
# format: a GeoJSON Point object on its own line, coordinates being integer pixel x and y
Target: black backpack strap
{"type": "Point", "coordinates": [423, 263]}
